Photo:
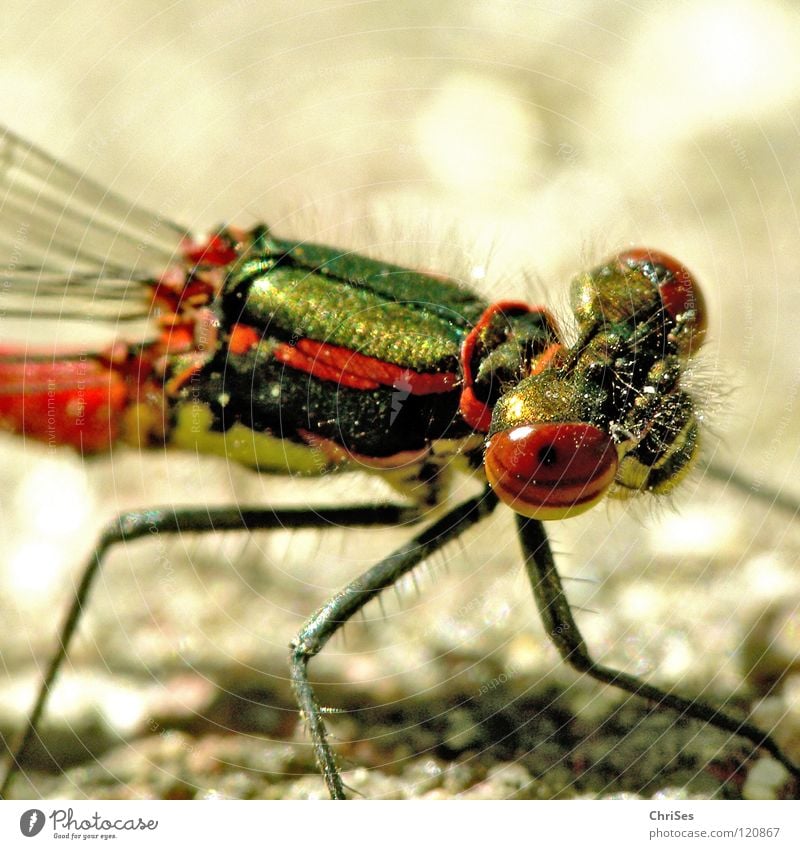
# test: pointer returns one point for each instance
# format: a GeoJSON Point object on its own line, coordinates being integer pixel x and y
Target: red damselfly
{"type": "Point", "coordinates": [292, 357]}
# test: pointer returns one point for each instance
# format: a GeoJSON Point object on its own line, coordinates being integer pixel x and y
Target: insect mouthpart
{"type": "Point", "coordinates": [551, 470]}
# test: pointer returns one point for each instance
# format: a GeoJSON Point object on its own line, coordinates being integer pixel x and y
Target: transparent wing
{"type": "Point", "coordinates": [76, 260]}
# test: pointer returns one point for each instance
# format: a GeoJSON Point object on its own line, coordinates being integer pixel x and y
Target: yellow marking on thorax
{"type": "Point", "coordinates": [270, 454]}
{"type": "Point", "coordinates": [261, 451]}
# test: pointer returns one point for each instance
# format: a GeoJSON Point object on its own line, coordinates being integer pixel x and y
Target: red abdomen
{"type": "Point", "coordinates": [76, 402]}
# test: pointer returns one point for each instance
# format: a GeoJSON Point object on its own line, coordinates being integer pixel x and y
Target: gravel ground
{"type": "Point", "coordinates": [438, 134]}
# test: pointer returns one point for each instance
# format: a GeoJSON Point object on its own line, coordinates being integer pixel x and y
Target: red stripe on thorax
{"type": "Point", "coordinates": [357, 371]}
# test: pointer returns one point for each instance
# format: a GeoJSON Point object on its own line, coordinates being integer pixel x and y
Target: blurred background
{"type": "Point", "coordinates": [511, 143]}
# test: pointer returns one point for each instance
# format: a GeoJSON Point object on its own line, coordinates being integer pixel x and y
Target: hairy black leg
{"type": "Point", "coordinates": [562, 630]}
{"type": "Point", "coordinates": [328, 619]}
{"type": "Point", "coordinates": [169, 520]}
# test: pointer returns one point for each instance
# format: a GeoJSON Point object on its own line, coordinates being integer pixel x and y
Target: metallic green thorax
{"type": "Point", "coordinates": [376, 309]}
{"type": "Point", "coordinates": [327, 359]}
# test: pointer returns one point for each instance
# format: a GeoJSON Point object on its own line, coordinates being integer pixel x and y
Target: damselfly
{"type": "Point", "coordinates": [291, 357]}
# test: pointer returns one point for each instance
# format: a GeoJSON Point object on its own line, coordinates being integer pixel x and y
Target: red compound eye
{"type": "Point", "coordinates": [680, 292]}
{"type": "Point", "coordinates": [551, 471]}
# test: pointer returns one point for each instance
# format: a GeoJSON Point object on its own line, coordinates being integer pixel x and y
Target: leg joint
{"type": "Point", "coordinates": [301, 651]}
